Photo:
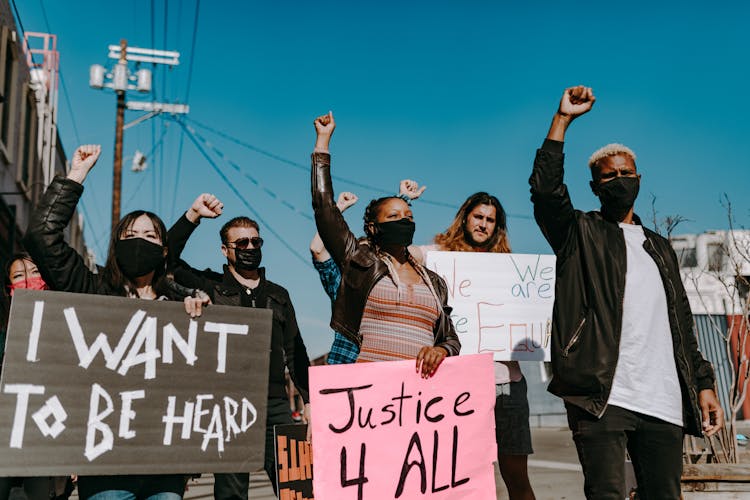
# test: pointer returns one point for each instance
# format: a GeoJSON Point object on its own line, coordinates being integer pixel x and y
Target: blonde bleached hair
{"type": "Point", "coordinates": [610, 150]}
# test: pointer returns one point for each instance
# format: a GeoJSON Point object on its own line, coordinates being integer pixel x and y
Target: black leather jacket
{"type": "Point", "coordinates": [361, 268]}
{"type": "Point", "coordinates": [589, 294]}
{"type": "Point", "coordinates": [64, 270]}
{"type": "Point", "coordinates": [287, 347]}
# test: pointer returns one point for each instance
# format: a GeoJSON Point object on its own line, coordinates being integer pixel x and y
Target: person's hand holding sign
{"type": "Point", "coordinates": [428, 360]}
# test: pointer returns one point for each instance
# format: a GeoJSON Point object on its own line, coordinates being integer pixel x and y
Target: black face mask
{"type": "Point", "coordinates": [138, 257]}
{"type": "Point", "coordinates": [247, 260]}
{"type": "Point", "coordinates": [397, 232]}
{"type": "Point", "coordinates": [617, 196]}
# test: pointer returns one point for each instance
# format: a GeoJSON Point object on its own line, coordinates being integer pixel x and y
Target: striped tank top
{"type": "Point", "coordinates": [398, 321]}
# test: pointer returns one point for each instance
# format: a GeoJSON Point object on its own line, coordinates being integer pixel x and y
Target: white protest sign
{"type": "Point", "coordinates": [502, 303]}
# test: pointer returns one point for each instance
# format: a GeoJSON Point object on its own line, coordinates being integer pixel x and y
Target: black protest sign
{"type": "Point", "coordinates": [294, 462]}
{"type": "Point", "coordinates": [109, 385]}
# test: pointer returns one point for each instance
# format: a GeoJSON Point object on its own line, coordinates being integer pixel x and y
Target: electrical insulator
{"type": "Point", "coordinates": [120, 77]}
{"type": "Point", "coordinates": [144, 80]}
{"type": "Point", "coordinates": [96, 76]}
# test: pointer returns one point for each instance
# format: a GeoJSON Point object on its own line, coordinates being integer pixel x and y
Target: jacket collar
{"type": "Point", "coordinates": [636, 218]}
{"type": "Point", "coordinates": [230, 284]}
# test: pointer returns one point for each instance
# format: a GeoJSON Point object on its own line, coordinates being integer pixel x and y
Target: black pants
{"type": "Point", "coordinates": [35, 488]}
{"type": "Point", "coordinates": [234, 486]}
{"type": "Point", "coordinates": [655, 448]}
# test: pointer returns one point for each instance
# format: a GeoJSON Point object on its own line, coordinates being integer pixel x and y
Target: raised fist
{"type": "Point", "coordinates": [205, 205]}
{"type": "Point", "coordinates": [84, 160]}
{"type": "Point", "coordinates": [346, 200]}
{"type": "Point", "coordinates": [324, 125]}
{"type": "Point", "coordinates": [410, 189]}
{"type": "Point", "coordinates": [576, 101]}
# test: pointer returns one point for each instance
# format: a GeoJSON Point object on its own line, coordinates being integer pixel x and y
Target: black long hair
{"type": "Point", "coordinates": [112, 273]}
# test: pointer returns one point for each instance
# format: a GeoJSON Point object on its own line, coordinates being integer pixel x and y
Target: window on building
{"type": "Point", "coordinates": [687, 257]}
{"type": "Point", "coordinates": [8, 75]}
{"type": "Point", "coordinates": [716, 256]}
{"type": "Point", "coordinates": [27, 163]}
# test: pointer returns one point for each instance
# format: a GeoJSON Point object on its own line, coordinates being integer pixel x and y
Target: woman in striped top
{"type": "Point", "coordinates": [387, 303]}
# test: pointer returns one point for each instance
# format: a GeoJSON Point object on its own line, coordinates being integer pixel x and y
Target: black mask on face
{"type": "Point", "coordinates": [397, 232]}
{"type": "Point", "coordinates": [248, 259]}
{"type": "Point", "coordinates": [138, 257]}
{"type": "Point", "coordinates": [617, 196]}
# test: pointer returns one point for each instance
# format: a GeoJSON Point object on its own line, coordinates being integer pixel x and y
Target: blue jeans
{"type": "Point", "coordinates": [129, 495]}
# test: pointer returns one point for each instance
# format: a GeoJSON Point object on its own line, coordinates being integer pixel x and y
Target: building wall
{"type": "Point", "coordinates": [21, 177]}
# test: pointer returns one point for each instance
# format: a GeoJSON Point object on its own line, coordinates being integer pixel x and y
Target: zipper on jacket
{"type": "Point", "coordinates": [574, 338]}
{"type": "Point", "coordinates": [690, 383]}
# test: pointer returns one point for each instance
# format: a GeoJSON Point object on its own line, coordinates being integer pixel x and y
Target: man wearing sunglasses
{"type": "Point", "coordinates": [243, 283]}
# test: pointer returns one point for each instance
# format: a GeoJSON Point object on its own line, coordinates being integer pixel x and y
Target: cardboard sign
{"type": "Point", "coordinates": [108, 385]}
{"type": "Point", "coordinates": [502, 303]}
{"type": "Point", "coordinates": [294, 462]}
{"type": "Point", "coordinates": [380, 431]}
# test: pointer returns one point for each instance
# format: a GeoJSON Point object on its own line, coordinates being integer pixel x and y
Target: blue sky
{"type": "Point", "coordinates": [456, 95]}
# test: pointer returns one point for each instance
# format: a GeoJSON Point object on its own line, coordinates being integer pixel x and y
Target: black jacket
{"type": "Point", "coordinates": [361, 268]}
{"type": "Point", "coordinates": [287, 347]}
{"type": "Point", "coordinates": [589, 294]}
{"type": "Point", "coordinates": [64, 270]}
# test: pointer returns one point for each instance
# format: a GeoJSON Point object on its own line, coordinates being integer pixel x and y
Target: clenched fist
{"type": "Point", "coordinates": [346, 200]}
{"type": "Point", "coordinates": [576, 101]}
{"type": "Point", "coordinates": [324, 127]}
{"type": "Point", "coordinates": [205, 205]}
{"type": "Point", "coordinates": [84, 159]}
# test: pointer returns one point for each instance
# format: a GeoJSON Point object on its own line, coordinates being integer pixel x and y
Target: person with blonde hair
{"type": "Point", "coordinates": [625, 357]}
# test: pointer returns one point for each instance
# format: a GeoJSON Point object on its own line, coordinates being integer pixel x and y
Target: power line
{"type": "Point", "coordinates": [70, 111]}
{"type": "Point", "coordinates": [164, 96]}
{"type": "Point", "coordinates": [148, 155]}
{"type": "Point", "coordinates": [192, 50]}
{"type": "Point", "coordinates": [248, 176]}
{"type": "Point", "coordinates": [239, 195]}
{"type": "Point", "coordinates": [62, 80]}
{"type": "Point", "coordinates": [87, 217]}
{"type": "Point", "coordinates": [306, 169]}
{"type": "Point", "coordinates": [187, 97]}
{"type": "Point", "coordinates": [179, 171]}
{"type": "Point", "coordinates": [18, 18]}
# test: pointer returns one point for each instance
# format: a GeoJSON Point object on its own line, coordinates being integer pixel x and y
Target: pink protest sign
{"type": "Point", "coordinates": [380, 431]}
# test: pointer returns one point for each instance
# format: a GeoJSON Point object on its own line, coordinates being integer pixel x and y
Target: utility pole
{"type": "Point", "coordinates": [119, 123]}
{"type": "Point", "coordinates": [120, 76]}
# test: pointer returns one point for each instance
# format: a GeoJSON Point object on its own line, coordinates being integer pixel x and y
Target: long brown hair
{"type": "Point", "coordinates": [112, 273]}
{"type": "Point", "coordinates": [454, 238]}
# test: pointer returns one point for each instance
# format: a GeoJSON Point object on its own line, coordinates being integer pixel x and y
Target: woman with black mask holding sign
{"type": "Point", "coordinates": [388, 304]}
{"type": "Point", "coordinates": [135, 267]}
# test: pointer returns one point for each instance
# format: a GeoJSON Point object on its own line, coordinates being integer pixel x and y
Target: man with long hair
{"type": "Point", "coordinates": [480, 226]}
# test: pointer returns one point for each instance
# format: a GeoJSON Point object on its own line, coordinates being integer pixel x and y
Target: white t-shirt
{"type": "Point", "coordinates": [646, 375]}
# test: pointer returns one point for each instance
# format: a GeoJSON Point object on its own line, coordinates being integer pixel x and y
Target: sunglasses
{"type": "Point", "coordinates": [244, 243]}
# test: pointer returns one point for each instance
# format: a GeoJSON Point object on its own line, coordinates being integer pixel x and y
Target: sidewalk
{"type": "Point", "coordinates": [554, 471]}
